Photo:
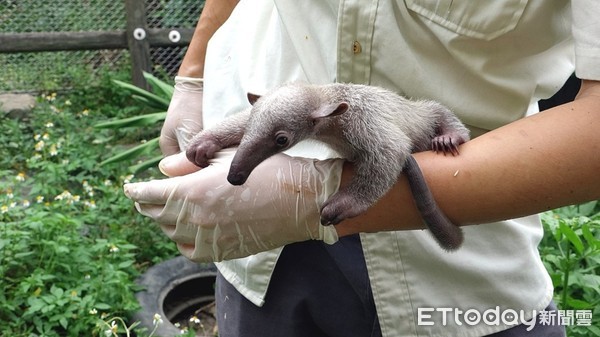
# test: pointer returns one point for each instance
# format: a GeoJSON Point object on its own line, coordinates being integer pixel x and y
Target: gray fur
{"type": "Point", "coordinates": [374, 128]}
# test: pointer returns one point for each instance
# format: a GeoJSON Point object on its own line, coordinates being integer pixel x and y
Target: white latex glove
{"type": "Point", "coordinates": [184, 116]}
{"type": "Point", "coordinates": [212, 220]}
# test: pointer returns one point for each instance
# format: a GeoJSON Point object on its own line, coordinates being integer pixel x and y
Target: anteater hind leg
{"type": "Point", "coordinates": [375, 173]}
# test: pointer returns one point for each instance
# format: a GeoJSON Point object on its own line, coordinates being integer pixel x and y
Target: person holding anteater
{"type": "Point", "coordinates": [489, 62]}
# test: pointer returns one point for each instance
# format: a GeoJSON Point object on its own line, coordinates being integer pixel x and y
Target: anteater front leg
{"type": "Point", "coordinates": [225, 134]}
{"type": "Point", "coordinates": [450, 132]}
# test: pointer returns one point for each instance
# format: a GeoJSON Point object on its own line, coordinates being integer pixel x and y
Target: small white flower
{"type": "Point", "coordinates": [64, 195]}
{"type": "Point", "coordinates": [93, 311]}
{"type": "Point", "coordinates": [49, 125]}
{"type": "Point", "coordinates": [53, 150]}
{"type": "Point", "coordinates": [26, 203]}
{"type": "Point", "coordinates": [113, 329]}
{"type": "Point", "coordinates": [113, 249]}
{"type": "Point", "coordinates": [20, 176]}
{"type": "Point", "coordinates": [51, 97]}
{"type": "Point", "coordinates": [157, 319]}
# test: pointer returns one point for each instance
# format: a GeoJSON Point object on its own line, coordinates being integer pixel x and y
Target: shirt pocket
{"type": "Point", "coordinates": [480, 19]}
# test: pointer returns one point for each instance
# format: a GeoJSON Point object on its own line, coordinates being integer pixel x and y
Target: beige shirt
{"type": "Point", "coordinates": [490, 61]}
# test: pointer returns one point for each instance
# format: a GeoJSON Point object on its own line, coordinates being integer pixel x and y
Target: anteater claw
{"type": "Point", "coordinates": [445, 144]}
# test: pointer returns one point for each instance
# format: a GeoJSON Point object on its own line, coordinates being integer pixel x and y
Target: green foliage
{"type": "Point", "coordinates": [570, 251]}
{"type": "Point", "coordinates": [157, 100]}
{"type": "Point", "coordinates": [71, 244]}
{"type": "Point", "coordinates": [63, 69]}
{"type": "Point", "coordinates": [56, 279]}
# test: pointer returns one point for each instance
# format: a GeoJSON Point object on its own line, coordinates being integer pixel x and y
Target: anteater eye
{"type": "Point", "coordinates": [281, 139]}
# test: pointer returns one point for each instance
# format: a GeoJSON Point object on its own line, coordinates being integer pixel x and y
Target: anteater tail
{"type": "Point", "coordinates": [448, 235]}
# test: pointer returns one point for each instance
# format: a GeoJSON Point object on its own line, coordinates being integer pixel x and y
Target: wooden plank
{"type": "Point", "coordinates": [159, 37]}
{"type": "Point", "coordinates": [56, 41]}
{"type": "Point", "coordinates": [68, 41]}
{"type": "Point", "coordinates": [138, 45]}
{"type": "Point", "coordinates": [139, 48]}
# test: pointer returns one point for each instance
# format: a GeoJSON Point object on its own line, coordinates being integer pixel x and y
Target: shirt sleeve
{"type": "Point", "coordinates": [586, 32]}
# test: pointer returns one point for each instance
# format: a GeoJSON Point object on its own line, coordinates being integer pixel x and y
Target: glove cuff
{"type": "Point", "coordinates": [188, 79]}
{"type": "Point", "coordinates": [328, 234]}
{"type": "Point", "coordinates": [190, 84]}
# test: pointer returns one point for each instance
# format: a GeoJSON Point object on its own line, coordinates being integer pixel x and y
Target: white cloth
{"type": "Point", "coordinates": [490, 61]}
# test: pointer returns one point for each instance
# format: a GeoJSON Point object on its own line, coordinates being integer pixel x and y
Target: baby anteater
{"type": "Point", "coordinates": [374, 128]}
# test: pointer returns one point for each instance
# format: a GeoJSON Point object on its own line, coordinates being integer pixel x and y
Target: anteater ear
{"type": "Point", "coordinates": [252, 98]}
{"type": "Point", "coordinates": [330, 110]}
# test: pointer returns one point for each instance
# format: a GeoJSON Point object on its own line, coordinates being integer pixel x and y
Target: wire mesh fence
{"type": "Point", "coordinates": [35, 71]}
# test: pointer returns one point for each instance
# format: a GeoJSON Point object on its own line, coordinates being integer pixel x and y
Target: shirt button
{"type": "Point", "coordinates": [356, 47]}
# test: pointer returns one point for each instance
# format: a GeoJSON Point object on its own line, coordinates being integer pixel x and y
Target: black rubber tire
{"type": "Point", "coordinates": [171, 288]}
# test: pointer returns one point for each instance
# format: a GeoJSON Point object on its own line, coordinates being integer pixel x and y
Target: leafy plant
{"type": "Point", "coordinates": [570, 251]}
{"type": "Point", "coordinates": [71, 244]}
{"type": "Point", "coordinates": [56, 280]}
{"type": "Point", "coordinates": [158, 101]}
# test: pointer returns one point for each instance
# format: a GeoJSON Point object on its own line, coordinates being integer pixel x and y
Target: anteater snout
{"type": "Point", "coordinates": [237, 178]}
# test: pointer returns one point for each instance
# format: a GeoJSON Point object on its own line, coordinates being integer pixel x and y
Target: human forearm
{"type": "Point", "coordinates": [213, 15]}
{"type": "Point", "coordinates": [184, 116]}
{"type": "Point", "coordinates": [534, 164]}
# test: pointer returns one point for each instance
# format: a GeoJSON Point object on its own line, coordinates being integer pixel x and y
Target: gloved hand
{"type": "Point", "coordinates": [212, 220]}
{"type": "Point", "coordinates": [184, 116]}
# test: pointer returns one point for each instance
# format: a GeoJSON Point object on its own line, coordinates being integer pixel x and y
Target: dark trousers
{"type": "Point", "coordinates": [318, 290]}
{"type": "Point", "coordinates": [312, 294]}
